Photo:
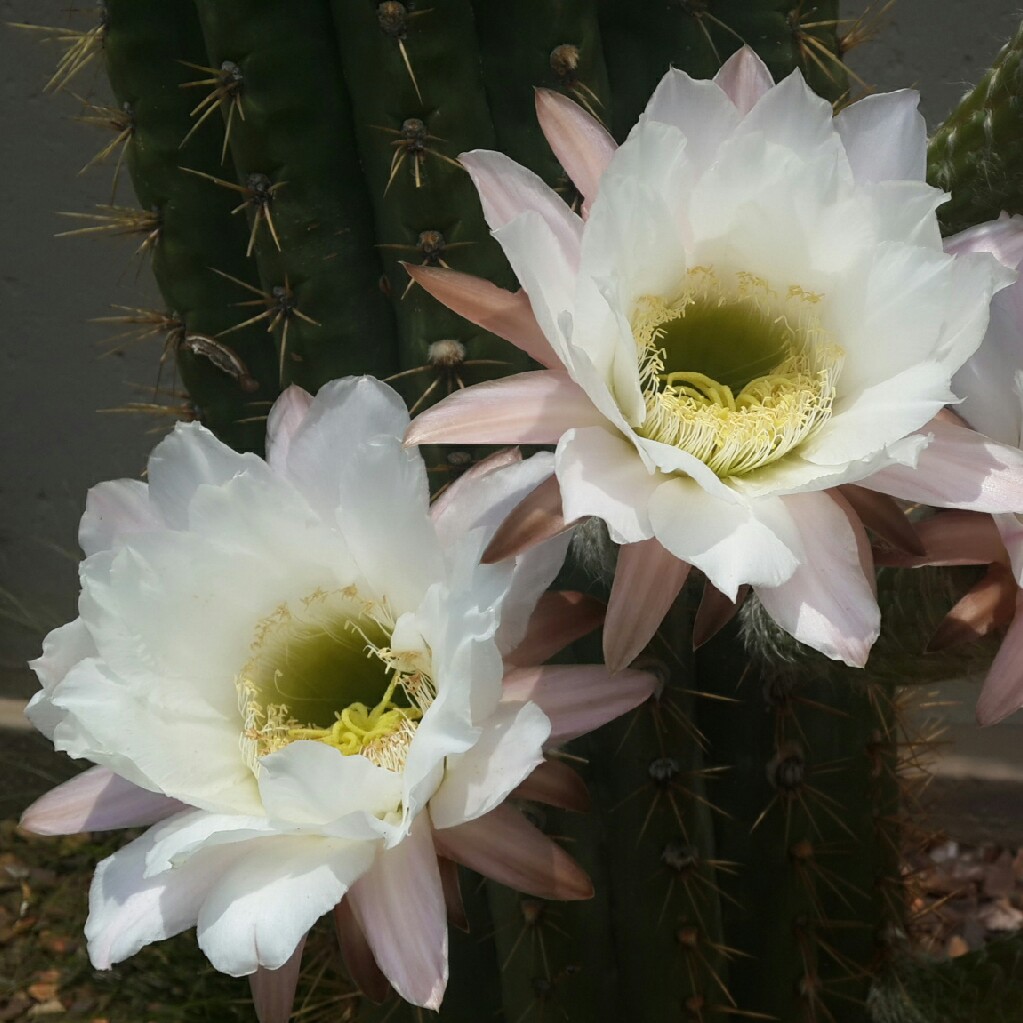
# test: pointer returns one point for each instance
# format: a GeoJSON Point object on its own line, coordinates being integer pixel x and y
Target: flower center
{"type": "Point", "coordinates": [322, 669]}
{"type": "Point", "coordinates": [733, 372]}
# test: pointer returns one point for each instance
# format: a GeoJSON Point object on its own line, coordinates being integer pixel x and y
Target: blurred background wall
{"type": "Point", "coordinates": [57, 374]}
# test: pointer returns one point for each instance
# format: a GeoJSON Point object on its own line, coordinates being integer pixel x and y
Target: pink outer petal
{"type": "Point", "coordinates": [829, 601]}
{"type": "Point", "coordinates": [647, 581]}
{"type": "Point", "coordinates": [988, 605]}
{"type": "Point", "coordinates": [504, 846]}
{"type": "Point", "coordinates": [583, 146]}
{"type": "Point", "coordinates": [1003, 688]}
{"type": "Point", "coordinates": [96, 800]}
{"type": "Point", "coordinates": [273, 991]}
{"type": "Point", "coordinates": [538, 517]}
{"type": "Point", "coordinates": [578, 698]}
{"type": "Point", "coordinates": [958, 469]}
{"type": "Point", "coordinates": [452, 893]}
{"type": "Point", "coordinates": [556, 784]}
{"type": "Point", "coordinates": [715, 612]}
{"type": "Point", "coordinates": [449, 496]}
{"type": "Point", "coordinates": [286, 416]}
{"type": "Point", "coordinates": [527, 408]}
{"type": "Point", "coordinates": [881, 514]}
{"type": "Point", "coordinates": [952, 538]}
{"type": "Point", "coordinates": [358, 956]}
{"type": "Point", "coordinates": [744, 78]}
{"type": "Point", "coordinates": [399, 904]}
{"type": "Point", "coordinates": [507, 314]}
{"type": "Point", "coordinates": [561, 617]}
{"type": "Point", "coordinates": [114, 510]}
{"type": "Point", "coordinates": [1003, 238]}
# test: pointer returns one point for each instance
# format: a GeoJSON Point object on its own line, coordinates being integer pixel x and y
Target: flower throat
{"type": "Point", "coordinates": [732, 372]}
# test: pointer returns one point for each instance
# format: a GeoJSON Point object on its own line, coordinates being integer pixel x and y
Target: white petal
{"type": "Point", "coordinates": [272, 892]}
{"type": "Point", "coordinates": [113, 511]}
{"type": "Point", "coordinates": [96, 800]}
{"type": "Point", "coordinates": [885, 137]}
{"type": "Point", "coordinates": [399, 904]}
{"type": "Point", "coordinates": [63, 648]}
{"type": "Point", "coordinates": [792, 115]}
{"type": "Point", "coordinates": [476, 781]}
{"type": "Point", "coordinates": [744, 78]}
{"type": "Point", "coordinates": [828, 603]}
{"type": "Point", "coordinates": [601, 474]}
{"type": "Point", "coordinates": [286, 416]}
{"type": "Point", "coordinates": [731, 544]}
{"type": "Point", "coordinates": [1002, 238]}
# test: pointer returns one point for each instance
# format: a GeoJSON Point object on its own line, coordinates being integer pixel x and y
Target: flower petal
{"type": "Point", "coordinates": [536, 518]}
{"type": "Point", "coordinates": [601, 474]}
{"type": "Point", "coordinates": [510, 747]}
{"type": "Point", "coordinates": [505, 847]}
{"type": "Point", "coordinates": [744, 78]}
{"type": "Point", "coordinates": [731, 544]}
{"type": "Point", "coordinates": [561, 617]}
{"type": "Point", "coordinates": [583, 146]}
{"type": "Point", "coordinates": [399, 904]}
{"type": "Point", "coordinates": [358, 956]}
{"type": "Point", "coordinates": [526, 408]}
{"type": "Point", "coordinates": [958, 469]}
{"type": "Point", "coordinates": [113, 511]}
{"type": "Point", "coordinates": [507, 314]}
{"type": "Point", "coordinates": [952, 538]}
{"type": "Point", "coordinates": [578, 698]}
{"type": "Point", "coordinates": [1002, 692]}
{"type": "Point", "coordinates": [273, 991]}
{"type": "Point", "coordinates": [885, 137]}
{"type": "Point", "coordinates": [96, 800]}
{"type": "Point", "coordinates": [828, 603]}
{"type": "Point", "coordinates": [286, 416]}
{"type": "Point", "coordinates": [988, 605]}
{"type": "Point", "coordinates": [452, 893]}
{"type": "Point", "coordinates": [647, 580]}
{"type": "Point", "coordinates": [880, 513]}
{"type": "Point", "coordinates": [556, 784]}
{"type": "Point", "coordinates": [715, 612]}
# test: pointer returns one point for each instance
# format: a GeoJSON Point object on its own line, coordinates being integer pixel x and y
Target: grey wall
{"type": "Point", "coordinates": [53, 380]}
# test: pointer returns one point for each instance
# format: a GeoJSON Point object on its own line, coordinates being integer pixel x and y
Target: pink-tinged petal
{"type": "Point", "coordinates": [879, 513]}
{"type": "Point", "coordinates": [538, 517]}
{"type": "Point", "coordinates": [452, 893]}
{"type": "Point", "coordinates": [96, 800]}
{"type": "Point", "coordinates": [526, 408]}
{"type": "Point", "coordinates": [508, 190]}
{"type": "Point", "coordinates": [647, 580]}
{"type": "Point", "coordinates": [273, 991]}
{"type": "Point", "coordinates": [951, 538]}
{"type": "Point", "coordinates": [715, 612]}
{"type": "Point", "coordinates": [829, 602]}
{"type": "Point", "coordinates": [505, 847]}
{"type": "Point", "coordinates": [114, 510]}
{"type": "Point", "coordinates": [958, 469]}
{"type": "Point", "coordinates": [1003, 238]}
{"type": "Point", "coordinates": [452, 494]}
{"type": "Point", "coordinates": [509, 749]}
{"type": "Point", "coordinates": [507, 314]}
{"type": "Point", "coordinates": [1002, 692]}
{"type": "Point", "coordinates": [988, 605]}
{"type": "Point", "coordinates": [885, 137]}
{"type": "Point", "coordinates": [744, 78]}
{"type": "Point", "coordinates": [358, 956]}
{"type": "Point", "coordinates": [1010, 530]}
{"type": "Point", "coordinates": [561, 617]}
{"type": "Point", "coordinates": [602, 474]}
{"type": "Point", "coordinates": [399, 904]}
{"type": "Point", "coordinates": [583, 146]}
{"type": "Point", "coordinates": [730, 543]}
{"type": "Point", "coordinates": [556, 784]}
{"type": "Point", "coordinates": [578, 698]}
{"type": "Point", "coordinates": [286, 416]}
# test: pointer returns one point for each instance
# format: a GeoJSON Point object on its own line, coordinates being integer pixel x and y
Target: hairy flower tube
{"type": "Point", "coordinates": [304, 678]}
{"type": "Point", "coordinates": [750, 313]}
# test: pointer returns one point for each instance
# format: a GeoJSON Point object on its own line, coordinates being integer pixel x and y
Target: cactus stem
{"type": "Point", "coordinates": [226, 91]}
{"type": "Point", "coordinates": [81, 48]}
{"type": "Point", "coordinates": [120, 120]}
{"type": "Point", "coordinates": [411, 143]}
{"type": "Point", "coordinates": [258, 195]}
{"type": "Point", "coordinates": [224, 358]}
{"type": "Point", "coordinates": [446, 359]}
{"type": "Point", "coordinates": [564, 63]}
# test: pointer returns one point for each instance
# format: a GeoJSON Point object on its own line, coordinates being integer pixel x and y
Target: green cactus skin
{"type": "Point", "coordinates": [144, 44]}
{"type": "Point", "coordinates": [977, 154]}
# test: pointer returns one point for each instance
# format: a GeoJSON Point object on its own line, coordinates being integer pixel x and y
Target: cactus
{"type": "Point", "coordinates": [745, 837]}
